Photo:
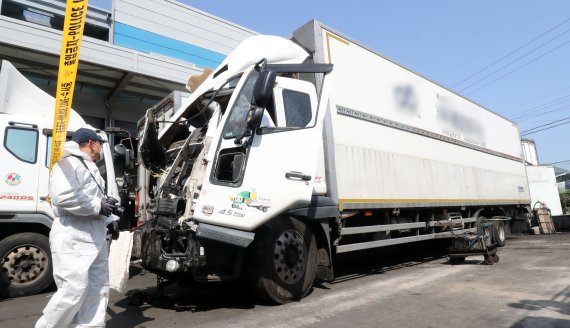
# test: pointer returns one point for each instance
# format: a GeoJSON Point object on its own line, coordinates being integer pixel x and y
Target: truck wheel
{"type": "Point", "coordinates": [285, 261]}
{"type": "Point", "coordinates": [500, 236]}
{"type": "Point", "coordinates": [25, 265]}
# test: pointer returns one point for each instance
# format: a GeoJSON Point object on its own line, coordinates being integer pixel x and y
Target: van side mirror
{"type": "Point", "coordinates": [263, 88]}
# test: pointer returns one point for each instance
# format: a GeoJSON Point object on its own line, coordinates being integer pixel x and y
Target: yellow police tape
{"type": "Point", "coordinates": [75, 13]}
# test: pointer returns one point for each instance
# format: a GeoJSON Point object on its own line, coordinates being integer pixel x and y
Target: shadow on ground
{"type": "Point", "coordinates": [377, 261]}
{"type": "Point", "coordinates": [179, 297]}
{"type": "Point", "coordinates": [559, 303]}
{"type": "Point", "coordinates": [192, 297]}
{"type": "Point", "coordinates": [541, 322]}
{"type": "Point", "coordinates": [561, 306]}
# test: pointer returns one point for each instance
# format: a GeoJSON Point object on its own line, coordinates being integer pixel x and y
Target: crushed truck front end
{"type": "Point", "coordinates": [230, 160]}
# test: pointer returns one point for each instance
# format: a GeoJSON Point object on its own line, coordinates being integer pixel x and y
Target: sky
{"type": "Point", "coordinates": [510, 56]}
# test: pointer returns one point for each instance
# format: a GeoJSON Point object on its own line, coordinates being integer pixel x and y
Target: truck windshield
{"type": "Point", "coordinates": [236, 124]}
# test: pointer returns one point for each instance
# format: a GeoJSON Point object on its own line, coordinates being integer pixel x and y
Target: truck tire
{"type": "Point", "coordinates": [284, 261]}
{"type": "Point", "coordinates": [25, 264]}
{"type": "Point", "coordinates": [500, 236]}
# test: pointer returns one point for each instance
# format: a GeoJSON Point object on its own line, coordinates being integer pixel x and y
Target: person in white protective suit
{"type": "Point", "coordinates": [78, 236]}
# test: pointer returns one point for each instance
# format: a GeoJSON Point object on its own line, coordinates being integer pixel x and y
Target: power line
{"type": "Point", "coordinates": [512, 52]}
{"type": "Point", "coordinates": [566, 161]}
{"type": "Point", "coordinates": [538, 108]}
{"type": "Point", "coordinates": [543, 113]}
{"type": "Point", "coordinates": [527, 103]}
{"type": "Point", "coordinates": [546, 126]}
{"type": "Point", "coordinates": [516, 69]}
{"type": "Point", "coordinates": [514, 61]}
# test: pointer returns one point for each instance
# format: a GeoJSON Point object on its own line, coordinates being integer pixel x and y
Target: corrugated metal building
{"type": "Point", "coordinates": [131, 56]}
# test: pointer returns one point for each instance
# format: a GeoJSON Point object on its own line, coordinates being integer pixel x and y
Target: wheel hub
{"type": "Point", "coordinates": [290, 256]}
{"type": "Point", "coordinates": [24, 264]}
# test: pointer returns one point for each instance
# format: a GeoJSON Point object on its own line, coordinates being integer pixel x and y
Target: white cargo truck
{"type": "Point", "coordinates": [26, 124]}
{"type": "Point", "coordinates": [293, 151]}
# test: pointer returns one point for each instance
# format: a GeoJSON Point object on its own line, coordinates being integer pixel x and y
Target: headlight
{"type": "Point", "coordinates": [172, 266]}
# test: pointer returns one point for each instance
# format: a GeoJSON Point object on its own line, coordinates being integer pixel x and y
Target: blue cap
{"type": "Point", "coordinates": [83, 135]}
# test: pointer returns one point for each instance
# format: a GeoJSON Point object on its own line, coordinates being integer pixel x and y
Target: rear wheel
{"type": "Point", "coordinates": [25, 264]}
{"type": "Point", "coordinates": [284, 261]}
{"type": "Point", "coordinates": [500, 236]}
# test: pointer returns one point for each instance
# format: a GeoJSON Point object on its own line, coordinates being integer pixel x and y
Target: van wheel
{"type": "Point", "coordinates": [25, 265]}
{"type": "Point", "coordinates": [284, 261]}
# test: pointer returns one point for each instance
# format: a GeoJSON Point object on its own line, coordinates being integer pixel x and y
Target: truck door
{"type": "Point", "coordinates": [276, 171]}
{"type": "Point", "coordinates": [282, 161]}
{"type": "Point", "coordinates": [19, 168]}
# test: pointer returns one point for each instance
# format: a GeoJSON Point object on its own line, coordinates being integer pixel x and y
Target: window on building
{"type": "Point", "coordinates": [25, 10]}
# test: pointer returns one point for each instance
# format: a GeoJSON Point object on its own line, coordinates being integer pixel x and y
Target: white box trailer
{"type": "Point", "coordinates": [293, 151]}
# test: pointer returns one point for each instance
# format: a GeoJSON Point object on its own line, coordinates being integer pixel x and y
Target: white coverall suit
{"type": "Point", "coordinates": [78, 245]}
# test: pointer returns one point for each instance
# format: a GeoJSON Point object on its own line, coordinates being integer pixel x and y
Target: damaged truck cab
{"type": "Point", "coordinates": [227, 171]}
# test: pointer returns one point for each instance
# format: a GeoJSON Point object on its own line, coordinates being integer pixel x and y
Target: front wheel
{"type": "Point", "coordinates": [25, 264]}
{"type": "Point", "coordinates": [283, 260]}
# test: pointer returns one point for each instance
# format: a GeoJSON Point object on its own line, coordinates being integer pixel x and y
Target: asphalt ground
{"type": "Point", "coordinates": [408, 286]}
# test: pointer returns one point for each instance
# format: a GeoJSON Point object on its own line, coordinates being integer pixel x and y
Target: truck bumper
{"type": "Point", "coordinates": [170, 251]}
{"type": "Point", "coordinates": [225, 235]}
{"type": "Point", "coordinates": [182, 251]}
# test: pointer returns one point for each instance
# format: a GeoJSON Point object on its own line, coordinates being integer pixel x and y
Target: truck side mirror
{"type": "Point", "coordinates": [129, 157]}
{"type": "Point", "coordinates": [254, 117]}
{"type": "Point", "coordinates": [120, 149]}
{"type": "Point", "coordinates": [263, 88]}
{"type": "Point", "coordinates": [262, 93]}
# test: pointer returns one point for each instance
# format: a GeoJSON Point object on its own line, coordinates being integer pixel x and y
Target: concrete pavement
{"type": "Point", "coordinates": [409, 286]}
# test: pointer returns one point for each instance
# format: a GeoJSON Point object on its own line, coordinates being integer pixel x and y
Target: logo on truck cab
{"type": "Point", "coordinates": [250, 199]}
{"type": "Point", "coordinates": [13, 179]}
